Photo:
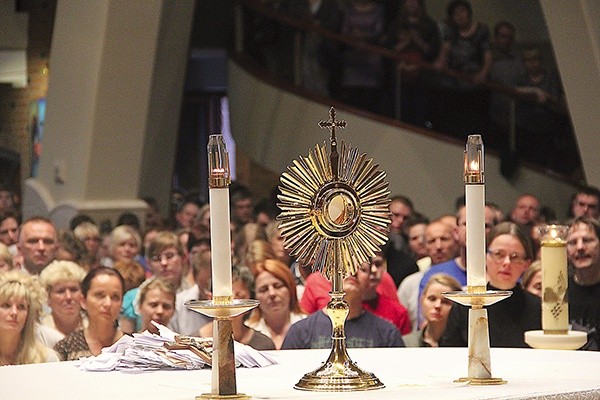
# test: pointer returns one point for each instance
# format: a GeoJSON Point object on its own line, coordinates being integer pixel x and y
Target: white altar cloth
{"type": "Point", "coordinates": [408, 373]}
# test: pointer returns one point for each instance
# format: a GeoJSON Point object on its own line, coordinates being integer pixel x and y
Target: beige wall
{"type": "Point", "coordinates": [113, 104]}
{"type": "Point", "coordinates": [575, 32]}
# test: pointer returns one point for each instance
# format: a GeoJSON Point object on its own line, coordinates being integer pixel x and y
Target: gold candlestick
{"type": "Point", "coordinates": [334, 217]}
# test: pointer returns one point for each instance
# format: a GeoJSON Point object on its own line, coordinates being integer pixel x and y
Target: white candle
{"type": "Point", "coordinates": [220, 233]}
{"type": "Point", "coordinates": [475, 214]}
{"type": "Point", "coordinates": [475, 200]}
{"type": "Point", "coordinates": [555, 308]}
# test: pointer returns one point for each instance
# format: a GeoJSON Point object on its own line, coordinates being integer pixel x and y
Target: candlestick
{"type": "Point", "coordinates": [555, 333]}
{"type": "Point", "coordinates": [555, 316]}
{"type": "Point", "coordinates": [224, 383]}
{"type": "Point", "coordinates": [476, 296]}
{"type": "Point", "coordinates": [475, 210]}
{"type": "Point", "coordinates": [220, 233]}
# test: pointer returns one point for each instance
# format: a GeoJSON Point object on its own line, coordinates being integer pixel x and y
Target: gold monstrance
{"type": "Point", "coordinates": [335, 217]}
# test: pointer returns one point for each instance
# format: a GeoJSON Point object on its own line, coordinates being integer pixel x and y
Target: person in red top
{"type": "Point", "coordinates": [317, 288]}
{"type": "Point", "coordinates": [378, 288]}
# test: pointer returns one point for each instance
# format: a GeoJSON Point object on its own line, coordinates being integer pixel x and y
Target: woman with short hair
{"type": "Point", "coordinates": [124, 243]}
{"type": "Point", "coordinates": [62, 281]}
{"type": "Point", "coordinates": [155, 301]}
{"type": "Point", "coordinates": [6, 259]}
{"type": "Point", "coordinates": [509, 254]}
{"type": "Point", "coordinates": [89, 234]}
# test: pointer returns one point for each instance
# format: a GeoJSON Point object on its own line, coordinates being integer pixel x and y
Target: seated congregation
{"type": "Point", "coordinates": [63, 301]}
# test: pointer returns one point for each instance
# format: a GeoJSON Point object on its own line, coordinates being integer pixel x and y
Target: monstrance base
{"type": "Point", "coordinates": [572, 340]}
{"type": "Point", "coordinates": [482, 381]}
{"type": "Point", "coordinates": [237, 396]}
{"type": "Point", "coordinates": [339, 377]}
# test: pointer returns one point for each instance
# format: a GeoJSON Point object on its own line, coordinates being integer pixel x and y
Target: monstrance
{"type": "Point", "coordinates": [335, 217]}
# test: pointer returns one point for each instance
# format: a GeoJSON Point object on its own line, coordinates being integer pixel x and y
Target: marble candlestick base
{"type": "Point", "coordinates": [480, 364]}
{"type": "Point", "coordinates": [223, 355]}
{"type": "Point", "coordinates": [570, 340]}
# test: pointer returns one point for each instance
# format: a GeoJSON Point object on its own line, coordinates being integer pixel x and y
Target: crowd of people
{"type": "Point", "coordinates": [65, 299]}
{"type": "Point", "coordinates": [437, 79]}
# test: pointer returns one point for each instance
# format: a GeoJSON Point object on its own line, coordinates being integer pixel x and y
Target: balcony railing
{"type": "Point", "coordinates": [280, 43]}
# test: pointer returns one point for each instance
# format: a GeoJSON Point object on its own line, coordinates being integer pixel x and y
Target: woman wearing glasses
{"type": "Point", "coordinates": [509, 253]}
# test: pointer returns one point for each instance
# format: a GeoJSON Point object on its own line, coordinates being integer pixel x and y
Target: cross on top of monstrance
{"type": "Point", "coordinates": [331, 124]}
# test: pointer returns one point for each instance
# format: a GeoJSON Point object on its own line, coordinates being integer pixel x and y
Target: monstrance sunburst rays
{"type": "Point", "coordinates": [327, 220]}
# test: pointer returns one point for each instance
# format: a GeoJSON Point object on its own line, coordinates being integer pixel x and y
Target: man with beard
{"type": "Point", "coordinates": [583, 249]}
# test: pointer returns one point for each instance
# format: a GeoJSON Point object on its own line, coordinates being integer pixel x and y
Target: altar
{"type": "Point", "coordinates": [408, 373]}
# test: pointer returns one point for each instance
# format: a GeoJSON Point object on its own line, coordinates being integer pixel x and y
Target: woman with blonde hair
{"type": "Point", "coordinates": [6, 259]}
{"type": "Point", "coordinates": [62, 281]}
{"type": "Point", "coordinates": [275, 238]}
{"type": "Point", "coordinates": [89, 234]}
{"type": "Point", "coordinates": [21, 301]}
{"type": "Point", "coordinates": [124, 244]}
{"type": "Point", "coordinates": [435, 309]}
{"type": "Point", "coordinates": [532, 278]}
{"type": "Point", "coordinates": [279, 307]}
{"type": "Point", "coordinates": [155, 301]}
{"type": "Point", "coordinates": [258, 250]}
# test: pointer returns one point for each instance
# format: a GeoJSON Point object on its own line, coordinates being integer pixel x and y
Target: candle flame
{"type": "Point", "coordinates": [474, 166]}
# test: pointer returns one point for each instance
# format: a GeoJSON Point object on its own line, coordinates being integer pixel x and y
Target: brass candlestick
{"type": "Point", "coordinates": [223, 355]}
{"type": "Point", "coordinates": [334, 217]}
